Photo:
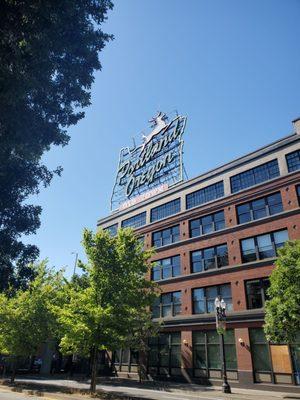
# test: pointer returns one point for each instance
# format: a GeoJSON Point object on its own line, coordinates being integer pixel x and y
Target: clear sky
{"type": "Point", "coordinates": [232, 67]}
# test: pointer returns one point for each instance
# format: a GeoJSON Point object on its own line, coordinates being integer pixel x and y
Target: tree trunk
{"type": "Point", "coordinates": [94, 370]}
{"type": "Point", "coordinates": [140, 371]}
{"type": "Point", "coordinates": [112, 363]}
{"type": "Point", "coordinates": [14, 370]}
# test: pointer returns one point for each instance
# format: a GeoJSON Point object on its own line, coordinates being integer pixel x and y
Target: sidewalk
{"type": "Point", "coordinates": [63, 388]}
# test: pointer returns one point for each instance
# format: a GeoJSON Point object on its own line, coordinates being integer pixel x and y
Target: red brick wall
{"type": "Point", "coordinates": [236, 274]}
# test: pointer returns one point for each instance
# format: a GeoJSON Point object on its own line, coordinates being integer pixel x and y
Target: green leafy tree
{"type": "Point", "coordinates": [142, 328]}
{"type": "Point", "coordinates": [28, 318]}
{"type": "Point", "coordinates": [282, 320]}
{"type": "Point", "coordinates": [48, 56]}
{"type": "Point", "coordinates": [104, 313]}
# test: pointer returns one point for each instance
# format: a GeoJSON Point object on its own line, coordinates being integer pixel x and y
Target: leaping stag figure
{"type": "Point", "coordinates": [158, 124]}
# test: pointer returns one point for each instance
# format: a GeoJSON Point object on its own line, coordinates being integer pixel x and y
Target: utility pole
{"type": "Point", "coordinates": [76, 259]}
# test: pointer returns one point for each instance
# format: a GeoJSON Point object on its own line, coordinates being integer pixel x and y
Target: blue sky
{"type": "Point", "coordinates": [232, 67]}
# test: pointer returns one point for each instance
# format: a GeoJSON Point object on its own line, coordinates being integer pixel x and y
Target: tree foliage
{"type": "Point", "coordinates": [282, 321]}
{"type": "Point", "coordinates": [142, 329]}
{"type": "Point", "coordinates": [48, 55]}
{"type": "Point", "coordinates": [29, 318]}
{"type": "Point", "coordinates": [104, 314]}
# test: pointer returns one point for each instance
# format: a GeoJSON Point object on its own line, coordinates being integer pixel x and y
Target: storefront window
{"type": "Point", "coordinates": [164, 353]}
{"type": "Point", "coordinates": [295, 353]}
{"type": "Point", "coordinates": [260, 350]}
{"type": "Point", "coordinates": [126, 360]}
{"type": "Point", "coordinates": [206, 350]}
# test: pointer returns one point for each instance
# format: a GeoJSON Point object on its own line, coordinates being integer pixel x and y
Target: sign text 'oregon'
{"type": "Point", "coordinates": [153, 166]}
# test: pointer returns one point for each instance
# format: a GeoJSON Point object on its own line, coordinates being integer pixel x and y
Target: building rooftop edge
{"type": "Point", "coordinates": [208, 175]}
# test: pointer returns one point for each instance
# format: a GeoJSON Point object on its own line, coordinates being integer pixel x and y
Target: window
{"type": "Point", "coordinates": [259, 350]}
{"type": "Point", "coordinates": [298, 193]}
{"type": "Point", "coordinates": [166, 268]}
{"type": "Point", "coordinates": [207, 224]}
{"type": "Point", "coordinates": [167, 305]}
{"type": "Point", "coordinates": [166, 236]}
{"type": "Point", "coordinates": [256, 291]}
{"type": "Point", "coordinates": [293, 161]}
{"type": "Point", "coordinates": [135, 222]}
{"type": "Point", "coordinates": [165, 210]}
{"type": "Point", "coordinates": [213, 257]}
{"type": "Point", "coordinates": [204, 298]}
{"type": "Point", "coordinates": [141, 240]}
{"type": "Point", "coordinates": [205, 195]}
{"type": "Point", "coordinates": [126, 360]}
{"type": "Point", "coordinates": [206, 350]}
{"type": "Point", "coordinates": [263, 246]}
{"type": "Point", "coordinates": [259, 208]}
{"type": "Point", "coordinates": [112, 229]}
{"type": "Point", "coordinates": [273, 361]}
{"type": "Point", "coordinates": [164, 353]}
{"type": "Point", "coordinates": [254, 176]}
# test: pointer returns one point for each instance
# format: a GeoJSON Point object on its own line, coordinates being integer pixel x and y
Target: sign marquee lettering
{"type": "Point", "coordinates": [157, 162]}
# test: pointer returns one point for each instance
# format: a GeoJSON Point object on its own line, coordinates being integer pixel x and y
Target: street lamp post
{"type": "Point", "coordinates": [220, 307]}
{"type": "Point", "coordinates": [75, 263]}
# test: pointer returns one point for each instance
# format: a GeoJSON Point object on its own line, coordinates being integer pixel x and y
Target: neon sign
{"type": "Point", "coordinates": [151, 167]}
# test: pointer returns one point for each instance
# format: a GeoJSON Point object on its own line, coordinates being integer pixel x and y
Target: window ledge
{"type": "Point", "coordinates": [256, 315]}
{"type": "Point", "coordinates": [230, 229]}
{"type": "Point", "coordinates": [218, 271]}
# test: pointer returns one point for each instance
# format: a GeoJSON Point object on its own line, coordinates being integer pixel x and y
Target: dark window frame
{"type": "Point", "coordinates": [256, 247]}
{"type": "Point", "coordinates": [206, 344]}
{"type": "Point", "coordinates": [168, 343]}
{"type": "Point", "coordinates": [262, 286]}
{"type": "Point", "coordinates": [161, 305]}
{"type": "Point", "coordinates": [136, 221]}
{"type": "Point", "coordinates": [298, 193]}
{"type": "Point", "coordinates": [172, 236]}
{"type": "Point", "coordinates": [238, 182]}
{"type": "Point", "coordinates": [201, 225]}
{"type": "Point", "coordinates": [216, 257]}
{"type": "Point", "coordinates": [165, 210]}
{"type": "Point", "coordinates": [291, 165]}
{"type": "Point", "coordinates": [206, 298]}
{"type": "Point", "coordinates": [160, 267]}
{"type": "Point", "coordinates": [194, 199]}
{"type": "Point", "coordinates": [127, 365]}
{"type": "Point", "coordinates": [112, 229]}
{"type": "Point", "coordinates": [252, 210]}
{"type": "Point", "coordinates": [260, 343]}
{"type": "Point", "coordinates": [268, 345]}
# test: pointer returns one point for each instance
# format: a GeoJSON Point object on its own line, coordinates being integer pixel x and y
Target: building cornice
{"type": "Point", "coordinates": [233, 317]}
{"type": "Point", "coordinates": [218, 204]}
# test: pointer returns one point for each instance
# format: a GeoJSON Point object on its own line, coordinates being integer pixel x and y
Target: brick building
{"type": "Point", "coordinates": [218, 234]}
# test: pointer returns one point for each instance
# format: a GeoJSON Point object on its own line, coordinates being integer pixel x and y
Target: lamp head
{"type": "Point", "coordinates": [223, 304]}
{"type": "Point", "coordinates": [217, 302]}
